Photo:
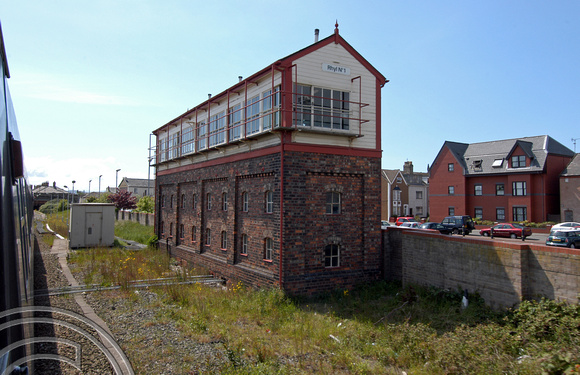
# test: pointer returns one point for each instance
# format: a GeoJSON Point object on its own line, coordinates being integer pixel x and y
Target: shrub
{"type": "Point", "coordinates": [123, 200]}
{"type": "Point", "coordinates": [55, 205]}
{"type": "Point", "coordinates": [146, 204]}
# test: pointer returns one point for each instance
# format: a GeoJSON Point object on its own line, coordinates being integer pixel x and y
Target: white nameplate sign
{"type": "Point", "coordinates": [335, 69]}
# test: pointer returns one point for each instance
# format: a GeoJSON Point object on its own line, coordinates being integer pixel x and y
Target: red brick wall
{"type": "Point", "coordinates": [439, 181]}
{"type": "Point", "coordinates": [307, 229]}
{"type": "Point", "coordinates": [541, 201]}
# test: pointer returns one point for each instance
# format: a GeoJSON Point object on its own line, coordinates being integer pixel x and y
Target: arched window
{"type": "Point", "coordinates": [225, 201]}
{"type": "Point", "coordinates": [171, 202]}
{"type": "Point", "coordinates": [332, 256]}
{"type": "Point", "coordinates": [269, 201]}
{"type": "Point", "coordinates": [332, 203]}
{"type": "Point", "coordinates": [194, 202]}
{"type": "Point", "coordinates": [245, 201]}
{"type": "Point", "coordinates": [182, 200]}
{"type": "Point", "coordinates": [170, 229]}
{"type": "Point", "coordinates": [193, 234]}
{"type": "Point", "coordinates": [208, 198]}
{"type": "Point", "coordinates": [268, 245]}
{"type": "Point", "coordinates": [181, 231]}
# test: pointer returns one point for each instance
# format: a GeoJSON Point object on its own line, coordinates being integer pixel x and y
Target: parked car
{"type": "Point", "coordinates": [385, 224]}
{"type": "Point", "coordinates": [410, 224]}
{"type": "Point", "coordinates": [402, 219]}
{"type": "Point", "coordinates": [564, 237]}
{"type": "Point", "coordinates": [507, 230]}
{"type": "Point", "coordinates": [567, 225]}
{"type": "Point", "coordinates": [459, 224]}
{"type": "Point", "coordinates": [436, 226]}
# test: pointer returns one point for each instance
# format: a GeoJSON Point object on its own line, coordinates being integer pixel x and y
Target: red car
{"type": "Point", "coordinates": [507, 230]}
{"type": "Point", "coordinates": [402, 219]}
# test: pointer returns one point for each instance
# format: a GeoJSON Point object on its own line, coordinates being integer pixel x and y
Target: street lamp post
{"type": "Point", "coordinates": [90, 187]}
{"type": "Point", "coordinates": [73, 191]}
{"type": "Point", "coordinates": [66, 187]}
{"type": "Point", "coordinates": [100, 185]}
{"type": "Point", "coordinates": [116, 180]}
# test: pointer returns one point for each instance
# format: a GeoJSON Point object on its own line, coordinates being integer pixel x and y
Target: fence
{"type": "Point", "coordinates": [138, 217]}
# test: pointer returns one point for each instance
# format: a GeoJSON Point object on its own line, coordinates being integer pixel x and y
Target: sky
{"type": "Point", "coordinates": [90, 80]}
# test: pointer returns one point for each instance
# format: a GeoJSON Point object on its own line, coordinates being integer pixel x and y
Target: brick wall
{"type": "Point", "coordinates": [502, 273]}
{"type": "Point", "coordinates": [306, 227]}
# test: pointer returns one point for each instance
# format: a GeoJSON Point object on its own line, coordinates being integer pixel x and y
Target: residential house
{"type": "Point", "coordinates": [394, 194]}
{"type": "Point", "coordinates": [418, 190]}
{"type": "Point", "coordinates": [570, 191]}
{"type": "Point", "coordinates": [276, 180]}
{"type": "Point", "coordinates": [504, 180]}
{"type": "Point", "coordinates": [139, 187]}
{"type": "Point", "coordinates": [404, 193]}
{"type": "Point", "coordinates": [45, 192]}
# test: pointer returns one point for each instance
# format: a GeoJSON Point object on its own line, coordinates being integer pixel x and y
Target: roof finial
{"type": "Point", "coordinates": [336, 32]}
{"type": "Point", "coordinates": [336, 25]}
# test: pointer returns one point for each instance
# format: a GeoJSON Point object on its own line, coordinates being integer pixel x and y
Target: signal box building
{"type": "Point", "coordinates": [506, 180]}
{"type": "Point", "coordinates": [276, 181]}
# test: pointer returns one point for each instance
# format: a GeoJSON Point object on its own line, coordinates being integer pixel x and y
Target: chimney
{"type": "Point", "coordinates": [316, 32]}
{"type": "Point", "coordinates": [239, 78]}
{"type": "Point", "coordinates": [209, 96]}
{"type": "Point", "coordinates": [408, 167]}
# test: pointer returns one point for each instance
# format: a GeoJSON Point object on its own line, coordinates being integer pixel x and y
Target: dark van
{"type": "Point", "coordinates": [459, 224]}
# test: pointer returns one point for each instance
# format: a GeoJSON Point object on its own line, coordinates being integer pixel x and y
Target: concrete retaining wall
{"type": "Point", "coordinates": [503, 273]}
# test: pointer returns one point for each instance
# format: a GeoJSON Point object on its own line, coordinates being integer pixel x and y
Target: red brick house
{"type": "Point", "coordinates": [506, 180]}
{"type": "Point", "coordinates": [276, 181]}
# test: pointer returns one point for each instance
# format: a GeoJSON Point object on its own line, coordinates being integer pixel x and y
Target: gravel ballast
{"type": "Point", "coordinates": [152, 344]}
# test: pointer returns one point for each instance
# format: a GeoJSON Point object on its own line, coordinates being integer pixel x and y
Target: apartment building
{"type": "Point", "coordinates": [503, 180]}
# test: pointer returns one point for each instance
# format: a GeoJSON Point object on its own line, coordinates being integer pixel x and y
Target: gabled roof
{"type": "Point", "coordinates": [391, 174]}
{"type": "Point", "coordinates": [573, 169]}
{"type": "Point", "coordinates": [43, 189]}
{"type": "Point", "coordinates": [285, 62]}
{"type": "Point", "coordinates": [138, 182]}
{"type": "Point", "coordinates": [492, 157]}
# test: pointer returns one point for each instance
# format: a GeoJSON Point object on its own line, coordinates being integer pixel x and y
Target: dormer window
{"type": "Point", "coordinates": [518, 161]}
{"type": "Point", "coordinates": [477, 165]}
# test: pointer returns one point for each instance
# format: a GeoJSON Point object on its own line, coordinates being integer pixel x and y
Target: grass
{"type": "Point", "coordinates": [58, 222]}
{"type": "Point", "coordinates": [132, 231]}
{"type": "Point", "coordinates": [380, 328]}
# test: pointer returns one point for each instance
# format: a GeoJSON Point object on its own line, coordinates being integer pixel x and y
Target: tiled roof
{"type": "Point", "coordinates": [139, 182]}
{"type": "Point", "coordinates": [573, 169]}
{"type": "Point", "coordinates": [42, 189]}
{"type": "Point", "coordinates": [492, 157]}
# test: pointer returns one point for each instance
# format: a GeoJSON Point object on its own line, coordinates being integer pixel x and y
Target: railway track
{"type": "Point", "coordinates": [137, 284]}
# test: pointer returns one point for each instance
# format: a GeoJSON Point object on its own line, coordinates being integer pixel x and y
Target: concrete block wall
{"type": "Point", "coordinates": [142, 218]}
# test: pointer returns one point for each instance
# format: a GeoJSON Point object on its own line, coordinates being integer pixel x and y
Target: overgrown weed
{"type": "Point", "coordinates": [379, 328]}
